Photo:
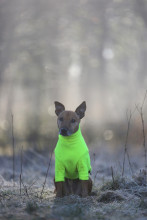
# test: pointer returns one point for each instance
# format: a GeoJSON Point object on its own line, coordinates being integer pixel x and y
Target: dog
{"type": "Point", "coordinates": [72, 160]}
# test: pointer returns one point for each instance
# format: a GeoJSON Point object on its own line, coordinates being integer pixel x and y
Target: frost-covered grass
{"type": "Point", "coordinates": [122, 199]}
{"type": "Point", "coordinates": [113, 197]}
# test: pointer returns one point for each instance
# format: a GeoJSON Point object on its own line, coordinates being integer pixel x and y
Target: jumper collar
{"type": "Point", "coordinates": [73, 137]}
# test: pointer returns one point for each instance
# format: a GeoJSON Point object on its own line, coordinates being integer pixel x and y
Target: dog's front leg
{"type": "Point", "coordinates": [84, 184]}
{"type": "Point", "coordinates": [59, 189]}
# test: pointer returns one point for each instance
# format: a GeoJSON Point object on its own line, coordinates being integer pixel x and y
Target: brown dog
{"type": "Point", "coordinates": [72, 161]}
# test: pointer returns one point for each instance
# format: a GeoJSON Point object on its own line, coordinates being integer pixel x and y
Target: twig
{"type": "Point", "coordinates": [37, 154]}
{"type": "Point", "coordinates": [21, 162]}
{"type": "Point", "coordinates": [140, 110]}
{"type": "Point", "coordinates": [35, 180]}
{"type": "Point", "coordinates": [25, 188]}
{"type": "Point", "coordinates": [95, 176]}
{"type": "Point", "coordinates": [126, 142]}
{"type": "Point", "coordinates": [144, 99]}
{"type": "Point", "coordinates": [94, 156]}
{"type": "Point", "coordinates": [21, 159]}
{"type": "Point", "coordinates": [20, 183]}
{"type": "Point", "coordinates": [31, 161]}
{"type": "Point", "coordinates": [13, 146]}
{"type": "Point", "coordinates": [46, 174]}
{"type": "Point", "coordinates": [112, 174]}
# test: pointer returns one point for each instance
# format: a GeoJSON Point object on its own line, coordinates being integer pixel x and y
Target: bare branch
{"type": "Point", "coordinates": [47, 173]}
{"type": "Point", "coordinates": [13, 146]}
{"type": "Point", "coordinates": [129, 117]}
{"type": "Point", "coordinates": [95, 177]}
{"type": "Point", "coordinates": [144, 99]}
{"type": "Point", "coordinates": [21, 163]}
{"type": "Point", "coordinates": [112, 174]}
{"type": "Point", "coordinates": [140, 110]}
{"type": "Point", "coordinates": [34, 181]}
{"type": "Point", "coordinates": [25, 188]}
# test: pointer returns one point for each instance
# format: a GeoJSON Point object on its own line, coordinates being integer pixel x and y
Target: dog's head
{"type": "Point", "coordinates": [68, 121]}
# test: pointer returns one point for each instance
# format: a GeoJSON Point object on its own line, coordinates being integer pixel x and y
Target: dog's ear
{"type": "Point", "coordinates": [80, 110]}
{"type": "Point", "coordinates": [59, 108]}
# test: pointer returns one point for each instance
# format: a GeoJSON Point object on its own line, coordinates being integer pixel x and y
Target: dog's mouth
{"type": "Point", "coordinates": [64, 132]}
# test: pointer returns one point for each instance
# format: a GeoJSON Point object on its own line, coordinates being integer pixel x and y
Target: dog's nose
{"type": "Point", "coordinates": [63, 131]}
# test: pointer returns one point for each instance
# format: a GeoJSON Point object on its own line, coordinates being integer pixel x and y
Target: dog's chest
{"type": "Point", "coordinates": [69, 152]}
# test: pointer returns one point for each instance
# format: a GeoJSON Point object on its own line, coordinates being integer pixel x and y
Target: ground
{"type": "Point", "coordinates": [109, 204]}
{"type": "Point", "coordinates": [114, 197]}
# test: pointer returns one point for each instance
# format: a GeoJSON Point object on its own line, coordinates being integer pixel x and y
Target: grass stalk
{"type": "Point", "coordinates": [129, 117]}
{"type": "Point", "coordinates": [46, 174]}
{"type": "Point", "coordinates": [13, 147]}
{"type": "Point", "coordinates": [140, 110]}
{"type": "Point", "coordinates": [21, 165]}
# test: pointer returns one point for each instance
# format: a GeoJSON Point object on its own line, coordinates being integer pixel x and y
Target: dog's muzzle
{"type": "Point", "coordinates": [63, 132]}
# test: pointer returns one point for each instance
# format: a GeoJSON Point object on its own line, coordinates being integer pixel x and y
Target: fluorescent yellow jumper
{"type": "Point", "coordinates": [72, 158]}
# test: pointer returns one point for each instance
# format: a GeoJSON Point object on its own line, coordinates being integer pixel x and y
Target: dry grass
{"type": "Point", "coordinates": [115, 199]}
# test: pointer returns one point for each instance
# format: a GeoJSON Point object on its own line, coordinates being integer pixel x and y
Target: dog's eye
{"type": "Point", "coordinates": [61, 119]}
{"type": "Point", "coordinates": [73, 120]}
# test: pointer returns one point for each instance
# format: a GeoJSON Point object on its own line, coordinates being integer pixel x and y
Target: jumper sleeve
{"type": "Point", "coordinates": [84, 167]}
{"type": "Point", "coordinates": [59, 171]}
